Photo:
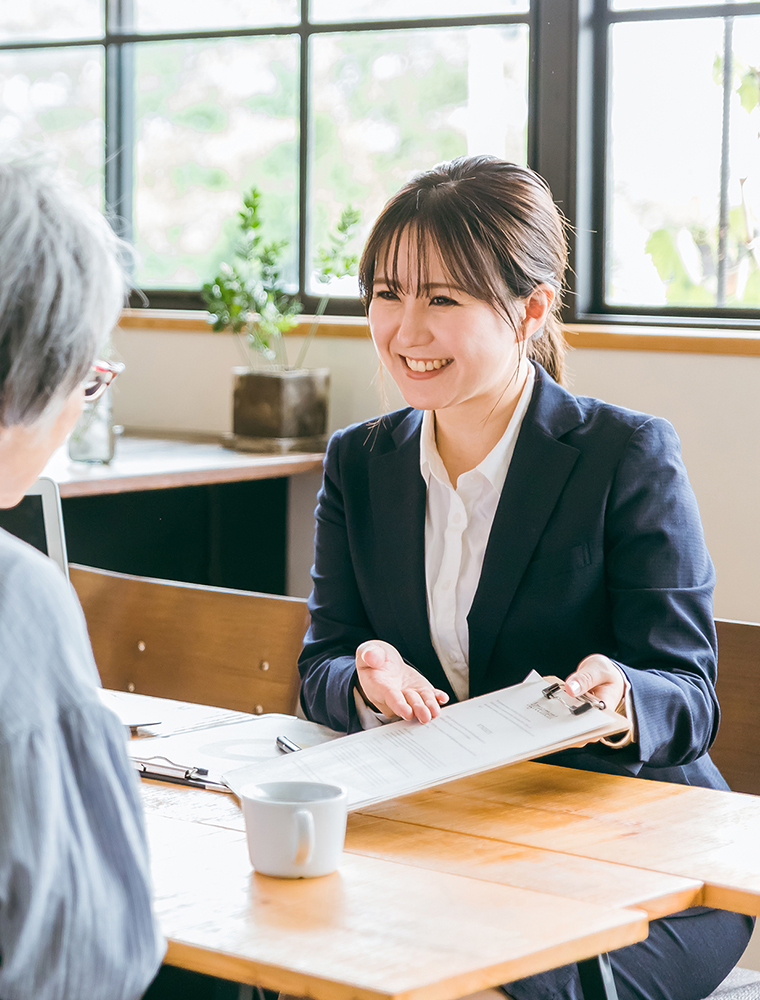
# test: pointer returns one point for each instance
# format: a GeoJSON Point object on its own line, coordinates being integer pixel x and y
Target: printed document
{"type": "Point", "coordinates": [515, 724]}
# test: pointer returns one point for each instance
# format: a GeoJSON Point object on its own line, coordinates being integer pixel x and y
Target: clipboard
{"type": "Point", "coordinates": [522, 722]}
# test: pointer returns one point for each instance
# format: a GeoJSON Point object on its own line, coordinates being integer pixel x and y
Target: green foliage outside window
{"type": "Point", "coordinates": [686, 258]}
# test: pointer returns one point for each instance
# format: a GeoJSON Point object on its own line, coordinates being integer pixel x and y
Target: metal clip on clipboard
{"type": "Point", "coordinates": [587, 701]}
{"type": "Point", "coordinates": [197, 777]}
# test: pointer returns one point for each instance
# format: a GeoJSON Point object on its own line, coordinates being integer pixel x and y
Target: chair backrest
{"type": "Point", "coordinates": [229, 648]}
{"type": "Point", "coordinates": [737, 748]}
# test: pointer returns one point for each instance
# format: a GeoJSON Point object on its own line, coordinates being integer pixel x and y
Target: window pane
{"type": "Point", "coordinates": [387, 104]}
{"type": "Point", "coordinates": [370, 10]}
{"type": "Point", "coordinates": [200, 15]}
{"type": "Point", "coordinates": [665, 165]}
{"type": "Point", "coordinates": [39, 19]}
{"type": "Point", "coordinates": [54, 98]}
{"type": "Point", "coordinates": [213, 119]}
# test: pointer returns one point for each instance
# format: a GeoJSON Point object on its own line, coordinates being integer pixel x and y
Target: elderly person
{"type": "Point", "coordinates": [75, 898]}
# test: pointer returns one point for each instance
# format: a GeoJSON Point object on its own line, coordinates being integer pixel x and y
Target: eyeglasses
{"type": "Point", "coordinates": [100, 376]}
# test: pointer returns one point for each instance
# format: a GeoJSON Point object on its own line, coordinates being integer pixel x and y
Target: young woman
{"type": "Point", "coordinates": [501, 524]}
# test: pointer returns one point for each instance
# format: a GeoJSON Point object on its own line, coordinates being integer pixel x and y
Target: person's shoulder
{"type": "Point", "coordinates": [614, 415]}
{"type": "Point", "coordinates": [46, 661]}
{"type": "Point", "coordinates": [375, 436]}
{"type": "Point", "coordinates": [593, 416]}
{"type": "Point", "coordinates": [25, 569]}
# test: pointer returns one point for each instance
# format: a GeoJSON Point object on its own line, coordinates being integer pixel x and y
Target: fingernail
{"type": "Point", "coordinates": [575, 687]}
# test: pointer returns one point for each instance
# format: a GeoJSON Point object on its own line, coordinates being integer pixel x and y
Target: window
{"type": "Point", "coordinates": [167, 110]}
{"type": "Point", "coordinates": [675, 159]}
{"type": "Point", "coordinates": [643, 116]}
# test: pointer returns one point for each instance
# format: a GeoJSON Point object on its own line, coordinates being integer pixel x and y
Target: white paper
{"type": "Point", "coordinates": [219, 749]}
{"type": "Point", "coordinates": [514, 724]}
{"type": "Point", "coordinates": [164, 716]}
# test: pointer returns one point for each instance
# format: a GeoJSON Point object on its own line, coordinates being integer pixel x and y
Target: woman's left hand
{"type": "Point", "coordinates": [597, 675]}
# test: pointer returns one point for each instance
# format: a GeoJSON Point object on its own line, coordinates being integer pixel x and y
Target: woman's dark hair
{"type": "Point", "coordinates": [497, 233]}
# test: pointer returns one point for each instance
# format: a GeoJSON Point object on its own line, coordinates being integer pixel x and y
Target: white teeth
{"type": "Point", "coordinates": [427, 366]}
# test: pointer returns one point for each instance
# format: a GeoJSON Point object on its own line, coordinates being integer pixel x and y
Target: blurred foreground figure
{"type": "Point", "coordinates": [75, 899]}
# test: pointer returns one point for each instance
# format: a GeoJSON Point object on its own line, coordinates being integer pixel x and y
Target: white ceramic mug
{"type": "Point", "coordinates": [295, 829]}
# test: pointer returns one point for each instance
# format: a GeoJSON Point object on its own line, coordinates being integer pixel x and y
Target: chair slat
{"type": "Point", "coordinates": [233, 649]}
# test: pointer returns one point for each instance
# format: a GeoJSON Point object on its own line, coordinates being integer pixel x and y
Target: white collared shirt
{"type": "Point", "coordinates": [458, 523]}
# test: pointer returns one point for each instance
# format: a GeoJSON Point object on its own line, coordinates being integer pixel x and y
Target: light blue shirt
{"type": "Point", "coordinates": [75, 898]}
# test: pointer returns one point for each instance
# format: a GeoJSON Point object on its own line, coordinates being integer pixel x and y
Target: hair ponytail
{"type": "Point", "coordinates": [549, 347]}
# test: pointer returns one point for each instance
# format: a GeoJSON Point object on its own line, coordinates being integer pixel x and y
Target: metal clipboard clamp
{"type": "Point", "coordinates": [585, 702]}
{"type": "Point", "coordinates": [197, 777]}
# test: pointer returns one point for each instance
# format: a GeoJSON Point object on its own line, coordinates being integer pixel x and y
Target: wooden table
{"type": "Point", "coordinates": [152, 463]}
{"type": "Point", "coordinates": [189, 510]}
{"type": "Point", "coordinates": [455, 889]}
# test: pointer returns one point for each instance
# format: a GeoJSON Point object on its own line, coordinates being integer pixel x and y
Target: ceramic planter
{"type": "Point", "coordinates": [280, 411]}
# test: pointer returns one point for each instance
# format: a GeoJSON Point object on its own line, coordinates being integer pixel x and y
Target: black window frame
{"type": "Point", "coordinates": [567, 132]}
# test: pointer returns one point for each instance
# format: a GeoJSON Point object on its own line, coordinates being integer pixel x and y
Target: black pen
{"type": "Point", "coordinates": [286, 745]}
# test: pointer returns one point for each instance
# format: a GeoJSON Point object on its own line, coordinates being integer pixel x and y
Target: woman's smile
{"type": "Point", "coordinates": [423, 367]}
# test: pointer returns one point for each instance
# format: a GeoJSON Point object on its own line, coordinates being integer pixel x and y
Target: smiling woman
{"type": "Point", "coordinates": [500, 525]}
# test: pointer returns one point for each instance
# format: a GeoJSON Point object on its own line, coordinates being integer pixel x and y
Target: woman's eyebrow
{"type": "Point", "coordinates": [428, 286]}
{"type": "Point", "coordinates": [425, 287]}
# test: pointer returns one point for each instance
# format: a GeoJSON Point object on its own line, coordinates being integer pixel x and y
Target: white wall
{"type": "Point", "coordinates": [182, 382]}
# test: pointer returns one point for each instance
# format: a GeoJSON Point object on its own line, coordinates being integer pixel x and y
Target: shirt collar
{"type": "Point", "coordinates": [496, 463]}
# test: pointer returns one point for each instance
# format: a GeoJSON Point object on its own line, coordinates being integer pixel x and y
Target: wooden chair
{"type": "Point", "coordinates": [737, 749]}
{"type": "Point", "coordinates": [229, 648]}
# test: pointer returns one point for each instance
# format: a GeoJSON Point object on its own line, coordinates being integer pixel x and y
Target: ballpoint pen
{"type": "Point", "coordinates": [162, 769]}
{"type": "Point", "coordinates": [286, 745]}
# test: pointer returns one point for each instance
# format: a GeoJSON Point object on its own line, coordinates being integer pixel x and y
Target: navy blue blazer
{"type": "Point", "coordinates": [596, 547]}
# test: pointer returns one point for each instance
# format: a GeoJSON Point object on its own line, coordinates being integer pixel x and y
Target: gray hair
{"type": "Point", "coordinates": [62, 286]}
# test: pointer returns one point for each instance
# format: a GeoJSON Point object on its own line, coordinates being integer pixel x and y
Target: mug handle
{"type": "Point", "coordinates": [304, 837]}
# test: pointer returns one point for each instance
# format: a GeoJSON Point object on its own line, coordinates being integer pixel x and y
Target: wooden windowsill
{"type": "Point", "coordinates": [579, 335]}
{"type": "Point", "coordinates": [192, 321]}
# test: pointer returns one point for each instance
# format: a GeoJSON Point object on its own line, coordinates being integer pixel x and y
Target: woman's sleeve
{"type": "Point", "coordinates": [75, 896]}
{"type": "Point", "coordinates": [660, 583]}
{"type": "Point", "coordinates": [339, 622]}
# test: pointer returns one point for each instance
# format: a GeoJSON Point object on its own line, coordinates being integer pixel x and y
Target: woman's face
{"type": "Point", "coordinates": [25, 450]}
{"type": "Point", "coordinates": [443, 348]}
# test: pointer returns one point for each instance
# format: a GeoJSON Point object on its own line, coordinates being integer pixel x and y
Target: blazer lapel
{"type": "Point", "coordinates": [537, 474]}
{"type": "Point", "coordinates": [398, 498]}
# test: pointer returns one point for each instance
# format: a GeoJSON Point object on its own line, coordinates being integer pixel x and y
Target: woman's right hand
{"type": "Point", "coordinates": [392, 686]}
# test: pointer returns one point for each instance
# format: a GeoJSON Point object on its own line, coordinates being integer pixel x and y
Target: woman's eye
{"type": "Point", "coordinates": [386, 294]}
{"type": "Point", "coordinates": [442, 300]}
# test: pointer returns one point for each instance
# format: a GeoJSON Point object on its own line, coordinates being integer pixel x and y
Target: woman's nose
{"type": "Point", "coordinates": [413, 330]}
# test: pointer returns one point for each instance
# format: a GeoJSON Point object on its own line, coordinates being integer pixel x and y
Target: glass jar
{"type": "Point", "coordinates": [94, 436]}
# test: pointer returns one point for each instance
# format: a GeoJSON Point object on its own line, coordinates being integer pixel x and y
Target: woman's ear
{"type": "Point", "coordinates": [537, 306]}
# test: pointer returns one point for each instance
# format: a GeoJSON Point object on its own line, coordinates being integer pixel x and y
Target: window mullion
{"type": "Point", "coordinates": [303, 151]}
{"type": "Point", "coordinates": [588, 262]}
{"type": "Point", "coordinates": [552, 133]}
{"type": "Point", "coordinates": [119, 100]}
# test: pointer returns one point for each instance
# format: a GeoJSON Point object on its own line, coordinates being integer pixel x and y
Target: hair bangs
{"type": "Point", "coordinates": [434, 235]}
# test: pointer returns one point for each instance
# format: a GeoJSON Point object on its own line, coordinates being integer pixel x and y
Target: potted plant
{"type": "Point", "coordinates": [277, 408]}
